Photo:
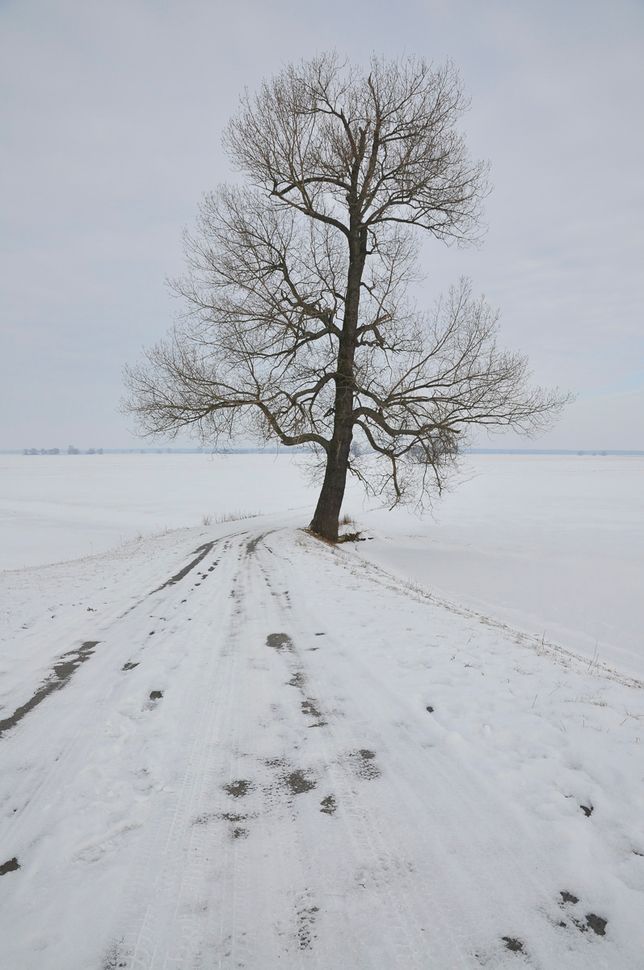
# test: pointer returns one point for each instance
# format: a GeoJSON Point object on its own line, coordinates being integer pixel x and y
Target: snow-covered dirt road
{"type": "Point", "coordinates": [238, 747]}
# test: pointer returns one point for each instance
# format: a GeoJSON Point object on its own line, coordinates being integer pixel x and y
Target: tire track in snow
{"type": "Point", "coordinates": [391, 878]}
{"type": "Point", "coordinates": [163, 933]}
{"type": "Point", "coordinates": [476, 798]}
{"type": "Point", "coordinates": [77, 720]}
{"type": "Point", "coordinates": [379, 871]}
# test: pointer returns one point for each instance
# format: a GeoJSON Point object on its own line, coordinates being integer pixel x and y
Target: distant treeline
{"type": "Point", "coordinates": [70, 450]}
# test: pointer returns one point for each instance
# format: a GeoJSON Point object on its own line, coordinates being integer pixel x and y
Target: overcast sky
{"type": "Point", "coordinates": [110, 123]}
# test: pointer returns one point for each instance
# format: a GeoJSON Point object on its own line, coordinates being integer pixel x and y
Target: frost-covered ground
{"type": "Point", "coordinates": [551, 545]}
{"type": "Point", "coordinates": [230, 745]}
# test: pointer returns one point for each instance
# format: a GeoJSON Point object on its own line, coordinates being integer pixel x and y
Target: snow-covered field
{"type": "Point", "coordinates": [225, 744]}
{"type": "Point", "coordinates": [554, 546]}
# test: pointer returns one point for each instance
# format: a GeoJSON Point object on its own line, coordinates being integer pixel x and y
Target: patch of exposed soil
{"type": "Point", "coordinates": [512, 944]}
{"type": "Point", "coordinates": [239, 788]}
{"type": "Point", "coordinates": [328, 805]}
{"type": "Point", "coordinates": [596, 923]}
{"type": "Point", "coordinates": [203, 819]}
{"type": "Point", "coordinates": [364, 764]}
{"type": "Point", "coordinates": [10, 866]}
{"type": "Point", "coordinates": [129, 665]}
{"type": "Point", "coordinates": [156, 695]}
{"type": "Point", "coordinates": [59, 677]}
{"type": "Point", "coordinates": [114, 958]}
{"type": "Point", "coordinates": [298, 783]}
{"type": "Point", "coordinates": [275, 762]}
{"type": "Point", "coordinates": [305, 927]}
{"type": "Point", "coordinates": [587, 810]}
{"type": "Point", "coordinates": [567, 897]}
{"type": "Point", "coordinates": [279, 641]}
{"type": "Point", "coordinates": [297, 680]}
{"type": "Point", "coordinates": [253, 544]}
{"type": "Point", "coordinates": [310, 708]}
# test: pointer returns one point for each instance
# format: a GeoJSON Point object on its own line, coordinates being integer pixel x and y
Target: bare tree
{"type": "Point", "coordinates": [297, 325]}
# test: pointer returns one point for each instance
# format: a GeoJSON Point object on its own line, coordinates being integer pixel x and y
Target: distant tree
{"type": "Point", "coordinates": [297, 326]}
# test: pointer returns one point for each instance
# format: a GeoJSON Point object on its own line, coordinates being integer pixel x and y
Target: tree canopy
{"type": "Point", "coordinates": [297, 322]}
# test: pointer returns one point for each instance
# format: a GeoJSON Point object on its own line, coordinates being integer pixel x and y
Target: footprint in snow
{"type": "Point", "coordinates": [592, 921]}
{"type": "Point", "coordinates": [514, 945]}
{"type": "Point", "coordinates": [329, 805]}
{"type": "Point", "coordinates": [306, 918]}
{"type": "Point", "coordinates": [9, 866]}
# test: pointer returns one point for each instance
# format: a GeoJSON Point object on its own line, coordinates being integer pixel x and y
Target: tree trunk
{"type": "Point", "coordinates": [327, 513]}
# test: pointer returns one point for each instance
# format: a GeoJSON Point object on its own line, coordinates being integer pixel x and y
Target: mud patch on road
{"type": "Point", "coordinates": [512, 944]}
{"type": "Point", "coordinates": [311, 709]}
{"type": "Point", "coordinates": [363, 762]}
{"type": "Point", "coordinates": [10, 866]}
{"type": "Point", "coordinates": [237, 830]}
{"type": "Point", "coordinates": [567, 897]}
{"type": "Point", "coordinates": [200, 553]}
{"type": "Point", "coordinates": [592, 921]}
{"type": "Point", "coordinates": [596, 923]}
{"type": "Point", "coordinates": [279, 642]}
{"type": "Point", "coordinates": [115, 958]}
{"type": "Point", "coordinates": [239, 788]}
{"type": "Point", "coordinates": [298, 782]}
{"type": "Point", "coordinates": [306, 926]}
{"type": "Point", "coordinates": [252, 545]}
{"type": "Point", "coordinates": [328, 805]}
{"type": "Point", "coordinates": [295, 781]}
{"type": "Point", "coordinates": [297, 680]}
{"type": "Point", "coordinates": [59, 677]}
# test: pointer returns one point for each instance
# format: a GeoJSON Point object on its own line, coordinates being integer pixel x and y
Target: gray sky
{"type": "Point", "coordinates": [110, 124]}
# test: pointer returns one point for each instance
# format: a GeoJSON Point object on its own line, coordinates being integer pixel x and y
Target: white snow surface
{"type": "Point", "coordinates": [551, 545]}
{"type": "Point", "coordinates": [232, 745]}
